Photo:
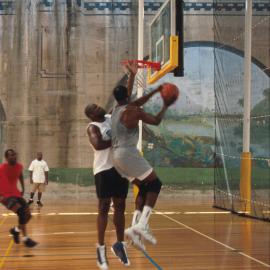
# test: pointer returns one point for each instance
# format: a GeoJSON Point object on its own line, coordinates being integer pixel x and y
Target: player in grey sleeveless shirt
{"type": "Point", "coordinates": [130, 163]}
{"type": "Point", "coordinates": [126, 157]}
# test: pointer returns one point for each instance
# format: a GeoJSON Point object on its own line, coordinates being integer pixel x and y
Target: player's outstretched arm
{"type": "Point", "coordinates": [31, 177]}
{"type": "Point", "coordinates": [30, 169]}
{"type": "Point", "coordinates": [46, 177]}
{"type": "Point", "coordinates": [141, 101]}
{"type": "Point", "coordinates": [131, 116]}
{"type": "Point", "coordinates": [96, 140]}
{"type": "Point", "coordinates": [132, 67]}
{"type": "Point", "coordinates": [22, 182]}
{"type": "Point", "coordinates": [153, 119]}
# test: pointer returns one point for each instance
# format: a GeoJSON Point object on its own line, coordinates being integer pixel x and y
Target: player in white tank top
{"type": "Point", "coordinates": [109, 183]}
{"type": "Point", "coordinates": [103, 157]}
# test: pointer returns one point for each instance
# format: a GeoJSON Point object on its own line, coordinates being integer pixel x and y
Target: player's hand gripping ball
{"type": "Point", "coordinates": [169, 93]}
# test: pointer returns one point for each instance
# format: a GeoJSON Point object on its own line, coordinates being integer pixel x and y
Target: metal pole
{"type": "Point", "coordinates": [245, 180]}
{"type": "Point", "coordinates": [140, 74]}
{"type": "Point", "coordinates": [247, 76]}
{"type": "Point", "coordinates": [140, 57]}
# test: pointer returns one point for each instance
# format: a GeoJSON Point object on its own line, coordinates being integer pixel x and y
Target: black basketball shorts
{"type": "Point", "coordinates": [110, 184]}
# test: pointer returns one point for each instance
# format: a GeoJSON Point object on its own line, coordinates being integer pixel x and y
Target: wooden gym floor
{"type": "Point", "coordinates": [190, 236]}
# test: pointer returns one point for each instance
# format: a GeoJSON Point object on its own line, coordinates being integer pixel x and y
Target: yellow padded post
{"type": "Point", "coordinates": [245, 181]}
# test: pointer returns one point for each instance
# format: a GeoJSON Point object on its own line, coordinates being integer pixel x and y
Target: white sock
{"type": "Point", "coordinates": [136, 217]}
{"type": "Point", "coordinates": [102, 253]}
{"type": "Point", "coordinates": [16, 229]}
{"type": "Point", "coordinates": [147, 210]}
{"type": "Point", "coordinates": [25, 238]}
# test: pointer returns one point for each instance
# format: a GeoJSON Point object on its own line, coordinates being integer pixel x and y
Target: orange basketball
{"type": "Point", "coordinates": [169, 93]}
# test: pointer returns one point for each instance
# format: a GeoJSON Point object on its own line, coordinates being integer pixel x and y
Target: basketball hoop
{"type": "Point", "coordinates": [144, 64]}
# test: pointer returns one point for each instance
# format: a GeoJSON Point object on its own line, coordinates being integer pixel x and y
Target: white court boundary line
{"type": "Point", "coordinates": [216, 241]}
{"type": "Point", "coordinates": [95, 232]}
{"type": "Point", "coordinates": [127, 213]}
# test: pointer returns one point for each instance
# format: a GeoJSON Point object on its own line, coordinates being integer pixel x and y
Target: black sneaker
{"type": "Point", "coordinates": [30, 201]}
{"type": "Point", "coordinates": [119, 250]}
{"type": "Point", "coordinates": [39, 203]}
{"type": "Point", "coordinates": [15, 235]}
{"type": "Point", "coordinates": [102, 261]}
{"type": "Point", "coordinates": [30, 243]}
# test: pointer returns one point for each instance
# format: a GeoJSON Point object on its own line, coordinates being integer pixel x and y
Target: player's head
{"type": "Point", "coordinates": [39, 155]}
{"type": "Point", "coordinates": [120, 93]}
{"type": "Point", "coordinates": [94, 112]}
{"type": "Point", "coordinates": [11, 156]}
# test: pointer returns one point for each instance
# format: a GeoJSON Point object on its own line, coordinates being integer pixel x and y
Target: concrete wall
{"type": "Point", "coordinates": [56, 56]}
{"type": "Point", "coordinates": [54, 60]}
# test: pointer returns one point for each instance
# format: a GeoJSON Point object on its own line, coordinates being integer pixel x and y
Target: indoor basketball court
{"type": "Point", "coordinates": [211, 151]}
{"type": "Point", "coordinates": [192, 235]}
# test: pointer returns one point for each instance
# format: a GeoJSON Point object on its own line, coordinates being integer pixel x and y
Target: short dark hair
{"type": "Point", "coordinates": [88, 110]}
{"type": "Point", "coordinates": [120, 93]}
{"type": "Point", "coordinates": [7, 152]}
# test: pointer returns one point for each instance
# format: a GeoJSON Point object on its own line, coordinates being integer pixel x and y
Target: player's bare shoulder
{"type": "Point", "coordinates": [130, 116]}
{"type": "Point", "coordinates": [92, 129]}
{"type": "Point", "coordinates": [131, 112]}
{"type": "Point", "coordinates": [132, 108]}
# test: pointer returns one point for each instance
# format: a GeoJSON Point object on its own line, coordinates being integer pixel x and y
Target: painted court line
{"type": "Point", "coordinates": [3, 220]}
{"type": "Point", "coordinates": [127, 213]}
{"type": "Point", "coordinates": [8, 248]}
{"type": "Point", "coordinates": [216, 241]}
{"type": "Point", "coordinates": [146, 255]}
{"type": "Point", "coordinates": [1, 223]}
{"type": "Point", "coordinates": [95, 232]}
{"type": "Point", "coordinates": [206, 213]}
{"type": "Point", "coordinates": [151, 260]}
{"type": "Point", "coordinates": [6, 254]}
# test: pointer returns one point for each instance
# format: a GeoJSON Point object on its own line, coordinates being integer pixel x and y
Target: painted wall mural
{"type": "Point", "coordinates": [186, 138]}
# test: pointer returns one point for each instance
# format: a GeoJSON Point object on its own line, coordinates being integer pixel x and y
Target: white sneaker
{"type": "Point", "coordinates": [102, 262]}
{"type": "Point", "coordinates": [112, 207]}
{"type": "Point", "coordinates": [135, 239]}
{"type": "Point", "coordinates": [144, 233]}
{"type": "Point", "coordinates": [138, 243]}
